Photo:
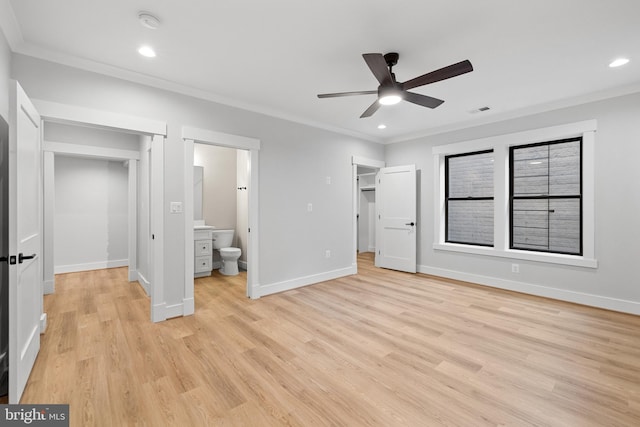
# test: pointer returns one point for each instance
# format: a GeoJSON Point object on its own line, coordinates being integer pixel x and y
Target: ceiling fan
{"type": "Point", "coordinates": [391, 92]}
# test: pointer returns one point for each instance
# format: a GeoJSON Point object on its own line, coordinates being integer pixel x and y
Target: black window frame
{"type": "Point", "coordinates": [447, 198]}
{"type": "Point", "coordinates": [547, 197]}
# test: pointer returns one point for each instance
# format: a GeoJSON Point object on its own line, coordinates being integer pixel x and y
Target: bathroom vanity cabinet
{"type": "Point", "coordinates": [203, 251]}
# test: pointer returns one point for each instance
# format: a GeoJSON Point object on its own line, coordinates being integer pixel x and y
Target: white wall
{"type": "Point", "coordinates": [5, 71]}
{"type": "Point", "coordinates": [219, 184]}
{"type": "Point", "coordinates": [90, 214]}
{"type": "Point", "coordinates": [615, 283]}
{"type": "Point", "coordinates": [85, 188]}
{"type": "Point", "coordinates": [295, 160]}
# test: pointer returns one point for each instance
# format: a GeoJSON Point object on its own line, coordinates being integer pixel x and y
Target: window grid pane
{"type": "Point", "coordinates": [546, 206]}
{"type": "Point", "coordinates": [469, 198]}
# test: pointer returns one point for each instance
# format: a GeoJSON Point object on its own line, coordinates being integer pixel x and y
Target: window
{"type": "Point", "coordinates": [469, 198]}
{"type": "Point", "coordinates": [528, 174]}
{"type": "Point", "coordinates": [546, 197]}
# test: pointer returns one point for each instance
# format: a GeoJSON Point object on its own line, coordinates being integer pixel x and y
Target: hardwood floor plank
{"type": "Point", "coordinates": [381, 348]}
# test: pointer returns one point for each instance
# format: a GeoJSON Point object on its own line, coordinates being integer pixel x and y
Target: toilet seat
{"type": "Point", "coordinates": [230, 252]}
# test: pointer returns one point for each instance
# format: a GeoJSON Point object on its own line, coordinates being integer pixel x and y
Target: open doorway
{"type": "Point", "coordinates": [141, 128]}
{"type": "Point", "coordinates": [363, 172]}
{"type": "Point", "coordinates": [366, 209]}
{"type": "Point", "coordinates": [244, 146]}
{"type": "Point", "coordinates": [220, 201]}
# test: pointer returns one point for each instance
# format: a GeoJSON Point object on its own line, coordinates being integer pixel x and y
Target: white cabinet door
{"type": "Point", "coordinates": [396, 219]}
{"type": "Point", "coordinates": [25, 222]}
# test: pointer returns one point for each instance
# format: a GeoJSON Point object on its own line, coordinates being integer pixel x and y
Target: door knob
{"type": "Point", "coordinates": [410, 223]}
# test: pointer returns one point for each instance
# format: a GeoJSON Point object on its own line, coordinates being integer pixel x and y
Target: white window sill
{"type": "Point", "coordinates": [573, 260]}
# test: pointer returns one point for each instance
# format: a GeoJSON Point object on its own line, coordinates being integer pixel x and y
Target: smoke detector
{"type": "Point", "coordinates": [148, 20]}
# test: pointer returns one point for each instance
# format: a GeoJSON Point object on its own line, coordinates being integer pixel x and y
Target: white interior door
{"type": "Point", "coordinates": [25, 222]}
{"type": "Point", "coordinates": [396, 219]}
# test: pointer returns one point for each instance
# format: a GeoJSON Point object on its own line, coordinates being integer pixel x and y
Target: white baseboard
{"type": "Point", "coordinates": [242, 265]}
{"type": "Point", "coordinates": [161, 312]}
{"type": "Point", "coordinates": [49, 286]}
{"type": "Point", "coordinates": [158, 313]}
{"type": "Point", "coordinates": [43, 323]}
{"type": "Point", "coordinates": [72, 268]}
{"type": "Point", "coordinates": [287, 285]}
{"type": "Point", "coordinates": [538, 290]}
{"type": "Point", "coordinates": [189, 306]}
{"type": "Point", "coordinates": [146, 285]}
{"type": "Point", "coordinates": [174, 310]}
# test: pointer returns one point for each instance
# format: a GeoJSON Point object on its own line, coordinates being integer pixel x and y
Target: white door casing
{"type": "Point", "coordinates": [396, 226]}
{"type": "Point", "coordinates": [190, 136]}
{"type": "Point", "coordinates": [25, 240]}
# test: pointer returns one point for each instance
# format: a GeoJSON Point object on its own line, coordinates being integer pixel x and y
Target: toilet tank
{"type": "Point", "coordinates": [222, 238]}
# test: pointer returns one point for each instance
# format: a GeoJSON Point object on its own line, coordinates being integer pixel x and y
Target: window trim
{"type": "Point", "coordinates": [500, 145]}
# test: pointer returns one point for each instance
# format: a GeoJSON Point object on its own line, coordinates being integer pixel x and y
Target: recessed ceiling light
{"type": "Point", "coordinates": [618, 62]}
{"type": "Point", "coordinates": [147, 51]}
{"type": "Point", "coordinates": [148, 20]}
{"type": "Point", "coordinates": [382, 126]}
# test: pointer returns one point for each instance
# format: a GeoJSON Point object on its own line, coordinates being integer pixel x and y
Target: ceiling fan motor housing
{"type": "Point", "coordinates": [391, 58]}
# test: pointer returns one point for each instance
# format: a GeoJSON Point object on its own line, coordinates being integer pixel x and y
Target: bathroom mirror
{"type": "Point", "coordinates": [198, 176]}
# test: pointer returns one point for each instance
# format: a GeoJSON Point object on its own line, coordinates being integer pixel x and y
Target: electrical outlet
{"type": "Point", "coordinates": [328, 180]}
{"type": "Point", "coordinates": [515, 268]}
{"type": "Point", "coordinates": [327, 253]}
{"type": "Point", "coordinates": [309, 207]}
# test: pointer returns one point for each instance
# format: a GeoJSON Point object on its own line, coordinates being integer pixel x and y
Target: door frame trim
{"type": "Point", "coordinates": [102, 119]}
{"type": "Point", "coordinates": [190, 136]}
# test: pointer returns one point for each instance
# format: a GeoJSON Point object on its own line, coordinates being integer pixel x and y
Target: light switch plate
{"type": "Point", "coordinates": [175, 207]}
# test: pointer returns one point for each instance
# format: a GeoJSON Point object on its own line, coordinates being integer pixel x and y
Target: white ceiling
{"type": "Point", "coordinates": [276, 56]}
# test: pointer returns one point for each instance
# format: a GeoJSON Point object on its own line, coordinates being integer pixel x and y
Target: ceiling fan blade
{"type": "Point", "coordinates": [441, 74]}
{"type": "Point", "coordinates": [336, 95]}
{"type": "Point", "coordinates": [378, 67]}
{"type": "Point", "coordinates": [423, 100]}
{"type": "Point", "coordinates": [372, 109]}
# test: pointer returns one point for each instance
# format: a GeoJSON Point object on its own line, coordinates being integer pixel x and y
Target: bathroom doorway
{"type": "Point", "coordinates": [221, 195]}
{"type": "Point", "coordinates": [245, 146]}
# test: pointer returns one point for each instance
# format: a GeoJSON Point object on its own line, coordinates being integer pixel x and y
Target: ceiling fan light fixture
{"type": "Point", "coordinates": [389, 95]}
{"type": "Point", "coordinates": [390, 99]}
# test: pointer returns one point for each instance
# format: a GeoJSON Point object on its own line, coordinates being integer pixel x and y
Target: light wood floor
{"type": "Point", "coordinates": [378, 349]}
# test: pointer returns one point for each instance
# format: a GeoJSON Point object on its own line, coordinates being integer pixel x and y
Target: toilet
{"type": "Point", "coordinates": [222, 240]}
